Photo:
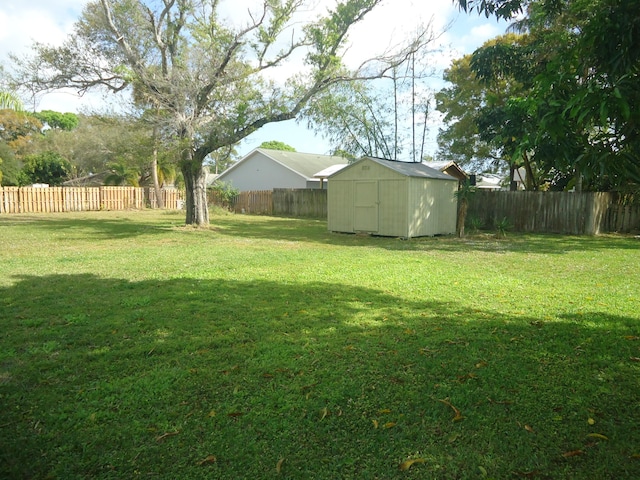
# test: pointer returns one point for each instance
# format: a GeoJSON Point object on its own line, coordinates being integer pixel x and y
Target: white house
{"type": "Point", "coordinates": [264, 169]}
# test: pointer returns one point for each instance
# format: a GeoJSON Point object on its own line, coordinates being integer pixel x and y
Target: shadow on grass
{"type": "Point", "coordinates": [131, 224]}
{"type": "Point", "coordinates": [106, 378]}
{"type": "Point", "coordinates": [124, 224]}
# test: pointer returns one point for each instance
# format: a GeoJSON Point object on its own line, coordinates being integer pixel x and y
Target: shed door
{"type": "Point", "coordinates": [366, 207]}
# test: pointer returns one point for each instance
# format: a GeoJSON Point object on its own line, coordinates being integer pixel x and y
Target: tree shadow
{"type": "Point", "coordinates": [122, 224]}
{"type": "Point", "coordinates": [111, 378]}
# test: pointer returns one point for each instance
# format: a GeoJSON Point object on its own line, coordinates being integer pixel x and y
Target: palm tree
{"type": "Point", "coordinates": [121, 174]}
{"type": "Point", "coordinates": [463, 194]}
{"type": "Point", "coordinates": [10, 101]}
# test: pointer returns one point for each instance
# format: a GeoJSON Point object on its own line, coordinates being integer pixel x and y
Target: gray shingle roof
{"type": "Point", "coordinates": [411, 169]}
{"type": "Point", "coordinates": [306, 164]}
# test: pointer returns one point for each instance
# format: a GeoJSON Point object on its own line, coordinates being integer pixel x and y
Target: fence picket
{"type": "Point", "coordinates": [78, 199]}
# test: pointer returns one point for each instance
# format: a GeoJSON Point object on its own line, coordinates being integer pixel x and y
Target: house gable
{"type": "Point", "coordinates": [265, 169]}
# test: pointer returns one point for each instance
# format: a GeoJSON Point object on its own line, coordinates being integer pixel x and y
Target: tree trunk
{"type": "Point", "coordinates": [463, 205]}
{"type": "Point", "coordinates": [195, 191]}
{"type": "Point", "coordinates": [156, 183]}
{"type": "Point", "coordinates": [154, 172]}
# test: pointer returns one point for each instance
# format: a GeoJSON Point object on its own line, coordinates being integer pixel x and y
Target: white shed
{"type": "Point", "coordinates": [391, 198]}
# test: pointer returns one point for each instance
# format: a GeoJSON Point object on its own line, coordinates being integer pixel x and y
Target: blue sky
{"type": "Point", "coordinates": [49, 21]}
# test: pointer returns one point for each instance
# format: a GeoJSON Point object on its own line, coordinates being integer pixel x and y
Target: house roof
{"type": "Point", "coordinates": [448, 167]}
{"type": "Point", "coordinates": [304, 164]}
{"type": "Point", "coordinates": [327, 172]}
{"type": "Point", "coordinates": [409, 169]}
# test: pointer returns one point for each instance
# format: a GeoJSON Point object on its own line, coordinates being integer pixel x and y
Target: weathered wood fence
{"type": "Point", "coordinates": [588, 213]}
{"type": "Point", "coordinates": [283, 201]}
{"type": "Point", "coordinates": [78, 199]}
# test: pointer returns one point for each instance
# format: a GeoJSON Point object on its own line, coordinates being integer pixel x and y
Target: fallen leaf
{"type": "Point", "coordinates": [375, 423]}
{"type": "Point", "coordinates": [323, 413]}
{"type": "Point", "coordinates": [389, 425]}
{"type": "Point", "coordinates": [406, 465]}
{"type": "Point", "coordinates": [383, 411]}
{"type": "Point", "coordinates": [632, 337]}
{"type": "Point", "coordinates": [634, 359]}
{"type": "Point", "coordinates": [212, 413]}
{"type": "Point", "coordinates": [573, 453]}
{"type": "Point", "coordinates": [597, 435]}
{"type": "Point", "coordinates": [166, 435]}
{"type": "Point", "coordinates": [458, 416]}
{"type": "Point", "coordinates": [279, 465]}
{"type": "Point", "coordinates": [483, 470]}
{"type": "Point", "coordinates": [208, 460]}
{"type": "Point", "coordinates": [591, 421]}
{"type": "Point", "coordinates": [529, 429]}
{"type": "Point", "coordinates": [235, 414]}
{"type": "Point", "coordinates": [481, 364]}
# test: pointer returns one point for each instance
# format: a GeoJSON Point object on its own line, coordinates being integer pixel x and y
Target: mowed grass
{"type": "Point", "coordinates": [134, 347]}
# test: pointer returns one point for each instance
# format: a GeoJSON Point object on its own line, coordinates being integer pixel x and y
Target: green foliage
{"type": "Point", "coordinates": [57, 120]}
{"type": "Point", "coordinates": [10, 101]}
{"type": "Point", "coordinates": [502, 227]}
{"type": "Point", "coordinates": [48, 167]}
{"type": "Point", "coordinates": [471, 102]}
{"type": "Point", "coordinates": [122, 174]}
{"type": "Point", "coordinates": [277, 145]}
{"type": "Point", "coordinates": [223, 193]}
{"type": "Point", "coordinates": [583, 68]}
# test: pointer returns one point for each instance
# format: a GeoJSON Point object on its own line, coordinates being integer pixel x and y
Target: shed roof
{"type": "Point", "coordinates": [408, 169]}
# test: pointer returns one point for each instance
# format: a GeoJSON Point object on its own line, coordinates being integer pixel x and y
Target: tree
{"type": "Point", "coordinates": [486, 110]}
{"type": "Point", "coordinates": [277, 145]}
{"type": "Point", "coordinates": [207, 76]}
{"type": "Point", "coordinates": [56, 120]}
{"type": "Point", "coordinates": [121, 174]}
{"type": "Point", "coordinates": [463, 195]}
{"type": "Point", "coordinates": [585, 95]}
{"type": "Point", "coordinates": [48, 167]}
{"type": "Point", "coordinates": [9, 100]}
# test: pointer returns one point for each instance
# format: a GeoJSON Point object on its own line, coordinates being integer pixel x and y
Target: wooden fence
{"type": "Point", "coordinates": [300, 202]}
{"type": "Point", "coordinates": [555, 212]}
{"type": "Point", "coordinates": [78, 199]}
{"type": "Point", "coordinates": [283, 201]}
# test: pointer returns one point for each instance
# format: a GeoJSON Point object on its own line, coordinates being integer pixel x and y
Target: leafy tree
{"type": "Point", "coordinates": [48, 167]}
{"type": "Point", "coordinates": [9, 100]}
{"type": "Point", "coordinates": [121, 174]}
{"type": "Point", "coordinates": [56, 120]}
{"type": "Point", "coordinates": [277, 145]}
{"type": "Point", "coordinates": [461, 103]}
{"type": "Point", "coordinates": [206, 76]}
{"type": "Point", "coordinates": [585, 93]}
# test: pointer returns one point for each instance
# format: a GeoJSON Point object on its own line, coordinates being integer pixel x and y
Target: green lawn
{"type": "Point", "coordinates": [134, 347]}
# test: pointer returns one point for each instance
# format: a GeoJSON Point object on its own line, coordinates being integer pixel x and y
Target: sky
{"type": "Point", "coordinates": [50, 21]}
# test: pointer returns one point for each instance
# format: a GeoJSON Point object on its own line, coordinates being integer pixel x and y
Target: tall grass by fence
{"type": "Point", "coordinates": [555, 212]}
{"type": "Point", "coordinates": [78, 199]}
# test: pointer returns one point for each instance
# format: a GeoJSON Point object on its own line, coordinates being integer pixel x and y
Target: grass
{"type": "Point", "coordinates": [132, 346]}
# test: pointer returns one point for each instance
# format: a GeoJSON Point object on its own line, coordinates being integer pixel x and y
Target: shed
{"type": "Point", "coordinates": [391, 198]}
